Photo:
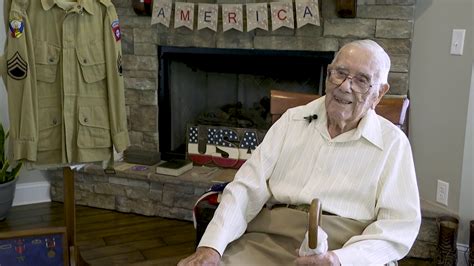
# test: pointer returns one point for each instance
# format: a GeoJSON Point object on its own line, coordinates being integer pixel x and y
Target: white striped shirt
{"type": "Point", "coordinates": [364, 174]}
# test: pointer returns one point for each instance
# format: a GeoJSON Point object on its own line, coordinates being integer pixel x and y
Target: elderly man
{"type": "Point", "coordinates": [357, 163]}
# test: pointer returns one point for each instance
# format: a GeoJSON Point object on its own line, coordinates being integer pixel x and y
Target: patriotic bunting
{"type": "Point", "coordinates": [183, 15]}
{"type": "Point", "coordinates": [257, 16]}
{"type": "Point", "coordinates": [233, 16]}
{"type": "Point", "coordinates": [162, 13]}
{"type": "Point", "coordinates": [207, 16]}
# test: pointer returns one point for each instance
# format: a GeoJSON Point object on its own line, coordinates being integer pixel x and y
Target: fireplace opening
{"type": "Point", "coordinates": [208, 85]}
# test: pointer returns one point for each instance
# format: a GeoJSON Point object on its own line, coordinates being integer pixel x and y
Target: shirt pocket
{"type": "Point", "coordinates": [91, 59]}
{"type": "Point", "coordinates": [46, 61]}
{"type": "Point", "coordinates": [94, 129]}
{"type": "Point", "coordinates": [49, 128]}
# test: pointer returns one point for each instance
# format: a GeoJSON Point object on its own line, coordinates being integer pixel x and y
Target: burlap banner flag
{"type": "Point", "coordinates": [184, 15]}
{"type": "Point", "coordinates": [257, 16]}
{"type": "Point", "coordinates": [282, 15]}
{"type": "Point", "coordinates": [207, 16]}
{"type": "Point", "coordinates": [307, 12]}
{"type": "Point", "coordinates": [232, 17]}
{"type": "Point", "coordinates": [161, 12]}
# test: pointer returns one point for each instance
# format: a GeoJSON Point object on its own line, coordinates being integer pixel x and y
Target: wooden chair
{"type": "Point", "coordinates": [392, 108]}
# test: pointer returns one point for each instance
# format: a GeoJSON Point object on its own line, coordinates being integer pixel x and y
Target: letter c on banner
{"type": "Point", "coordinates": [279, 12]}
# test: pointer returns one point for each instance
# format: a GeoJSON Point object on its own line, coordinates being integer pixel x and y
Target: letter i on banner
{"type": "Point", "coordinates": [257, 16]}
{"type": "Point", "coordinates": [161, 12]}
{"type": "Point", "coordinates": [184, 15]}
{"type": "Point", "coordinates": [232, 17]}
{"type": "Point", "coordinates": [307, 12]}
{"type": "Point", "coordinates": [207, 16]}
{"type": "Point", "coordinates": [282, 15]}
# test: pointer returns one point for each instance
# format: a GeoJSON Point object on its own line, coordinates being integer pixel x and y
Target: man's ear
{"type": "Point", "coordinates": [383, 89]}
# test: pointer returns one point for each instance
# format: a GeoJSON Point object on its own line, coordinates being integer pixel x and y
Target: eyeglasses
{"type": "Point", "coordinates": [359, 83]}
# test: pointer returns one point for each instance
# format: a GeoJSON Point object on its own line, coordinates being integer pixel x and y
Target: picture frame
{"type": "Point", "coordinates": [35, 247]}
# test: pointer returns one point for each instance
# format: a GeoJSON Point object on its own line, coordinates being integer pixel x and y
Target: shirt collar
{"type": "Point", "coordinates": [368, 128]}
{"type": "Point", "coordinates": [87, 5]}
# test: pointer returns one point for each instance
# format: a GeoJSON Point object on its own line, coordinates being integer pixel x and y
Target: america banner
{"type": "Point", "coordinates": [236, 16]}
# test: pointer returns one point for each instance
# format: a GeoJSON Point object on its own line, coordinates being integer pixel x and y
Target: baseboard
{"type": "Point", "coordinates": [463, 254]}
{"type": "Point", "coordinates": [30, 193]}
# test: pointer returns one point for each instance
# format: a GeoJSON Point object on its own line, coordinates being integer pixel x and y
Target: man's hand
{"type": "Point", "coordinates": [328, 258]}
{"type": "Point", "coordinates": [202, 256]}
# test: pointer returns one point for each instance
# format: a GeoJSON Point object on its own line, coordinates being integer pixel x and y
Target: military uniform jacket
{"type": "Point", "coordinates": [64, 81]}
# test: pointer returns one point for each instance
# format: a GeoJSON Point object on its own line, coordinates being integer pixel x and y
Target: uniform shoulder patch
{"type": "Point", "coordinates": [16, 27]}
{"type": "Point", "coordinates": [17, 67]}
{"type": "Point", "coordinates": [116, 30]}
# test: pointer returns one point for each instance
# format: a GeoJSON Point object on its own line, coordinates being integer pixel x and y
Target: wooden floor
{"type": "Point", "coordinates": [112, 238]}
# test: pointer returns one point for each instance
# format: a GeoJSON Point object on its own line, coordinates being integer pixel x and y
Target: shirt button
{"type": "Point", "coordinates": [55, 121]}
{"type": "Point", "coordinates": [78, 6]}
{"type": "Point", "coordinates": [85, 61]}
{"type": "Point", "coordinates": [51, 60]}
{"type": "Point", "coordinates": [85, 120]}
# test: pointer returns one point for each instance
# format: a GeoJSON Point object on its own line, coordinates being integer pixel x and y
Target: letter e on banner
{"type": "Point", "coordinates": [207, 16]}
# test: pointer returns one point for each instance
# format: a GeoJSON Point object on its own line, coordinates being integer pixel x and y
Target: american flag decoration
{"type": "Point", "coordinates": [221, 137]}
{"type": "Point", "coordinates": [249, 141]}
{"type": "Point", "coordinates": [193, 135]}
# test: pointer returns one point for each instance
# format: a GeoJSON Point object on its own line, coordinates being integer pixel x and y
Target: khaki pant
{"type": "Point", "coordinates": [274, 236]}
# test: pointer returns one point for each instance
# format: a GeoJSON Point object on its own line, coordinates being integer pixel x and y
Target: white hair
{"type": "Point", "coordinates": [380, 56]}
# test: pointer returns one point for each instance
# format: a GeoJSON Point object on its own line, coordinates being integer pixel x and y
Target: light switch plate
{"type": "Point", "coordinates": [457, 41]}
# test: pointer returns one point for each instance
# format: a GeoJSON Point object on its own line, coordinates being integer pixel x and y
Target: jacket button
{"type": "Point", "coordinates": [85, 120]}
{"type": "Point", "coordinates": [55, 121]}
{"type": "Point", "coordinates": [51, 60]}
{"type": "Point", "coordinates": [85, 61]}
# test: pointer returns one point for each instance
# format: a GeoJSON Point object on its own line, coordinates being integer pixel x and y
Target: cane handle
{"type": "Point", "coordinates": [315, 212]}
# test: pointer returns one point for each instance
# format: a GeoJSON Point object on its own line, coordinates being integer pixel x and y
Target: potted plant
{"type": "Point", "coordinates": [8, 176]}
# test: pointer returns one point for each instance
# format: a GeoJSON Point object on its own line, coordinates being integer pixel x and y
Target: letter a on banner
{"type": "Point", "coordinates": [161, 12]}
{"type": "Point", "coordinates": [307, 12]}
{"type": "Point", "coordinates": [257, 16]}
{"type": "Point", "coordinates": [282, 15]}
{"type": "Point", "coordinates": [232, 17]}
{"type": "Point", "coordinates": [183, 15]}
{"type": "Point", "coordinates": [207, 16]}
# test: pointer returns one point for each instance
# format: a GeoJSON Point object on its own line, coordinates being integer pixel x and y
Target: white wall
{"type": "Point", "coordinates": [466, 206]}
{"type": "Point", "coordinates": [25, 175]}
{"type": "Point", "coordinates": [439, 90]}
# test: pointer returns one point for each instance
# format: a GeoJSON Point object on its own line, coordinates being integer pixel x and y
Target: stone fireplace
{"type": "Point", "coordinates": [388, 22]}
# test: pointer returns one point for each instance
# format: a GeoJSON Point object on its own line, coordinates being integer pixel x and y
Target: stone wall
{"type": "Point", "coordinates": [389, 22]}
{"type": "Point", "coordinates": [142, 192]}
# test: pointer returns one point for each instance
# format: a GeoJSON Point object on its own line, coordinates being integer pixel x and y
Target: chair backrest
{"type": "Point", "coordinates": [392, 108]}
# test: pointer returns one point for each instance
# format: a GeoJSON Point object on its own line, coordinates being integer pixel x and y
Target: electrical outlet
{"type": "Point", "coordinates": [442, 192]}
{"type": "Point", "coordinates": [457, 41]}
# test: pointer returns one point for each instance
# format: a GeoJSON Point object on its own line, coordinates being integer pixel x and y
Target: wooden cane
{"type": "Point", "coordinates": [315, 212]}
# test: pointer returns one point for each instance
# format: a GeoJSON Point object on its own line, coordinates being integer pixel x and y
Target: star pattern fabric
{"type": "Point", "coordinates": [193, 135]}
{"type": "Point", "coordinates": [250, 141]}
{"type": "Point", "coordinates": [221, 137]}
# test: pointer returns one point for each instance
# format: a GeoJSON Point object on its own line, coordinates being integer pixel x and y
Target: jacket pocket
{"type": "Point", "coordinates": [92, 61]}
{"type": "Point", "coordinates": [94, 129]}
{"type": "Point", "coordinates": [49, 129]}
{"type": "Point", "coordinates": [47, 59]}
